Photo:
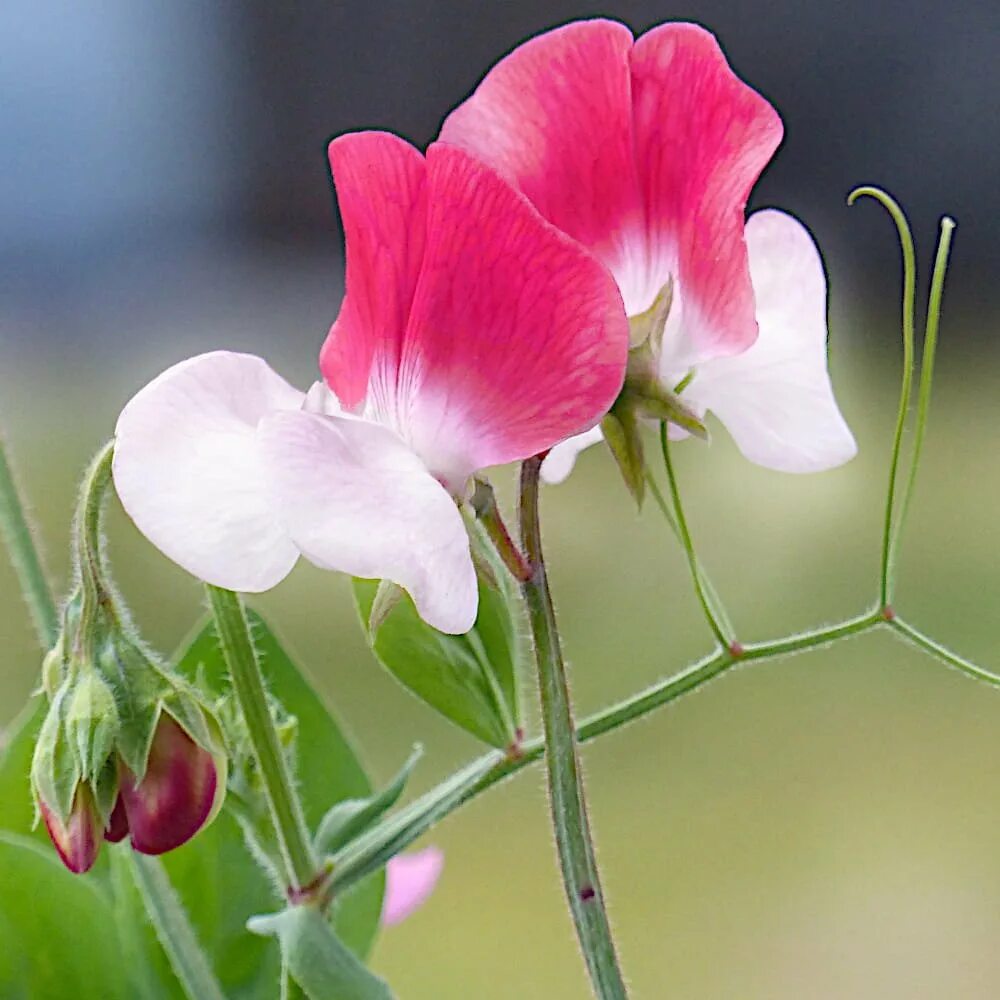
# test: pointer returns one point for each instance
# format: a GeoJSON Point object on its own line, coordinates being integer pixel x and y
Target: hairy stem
{"type": "Point", "coordinates": [15, 531]}
{"type": "Point", "coordinates": [569, 809]}
{"type": "Point", "coordinates": [172, 926]}
{"type": "Point", "coordinates": [301, 866]}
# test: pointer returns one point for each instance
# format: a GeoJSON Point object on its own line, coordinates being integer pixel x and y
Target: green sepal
{"type": "Point", "coordinates": [55, 768]}
{"type": "Point", "coordinates": [316, 958]}
{"type": "Point", "coordinates": [91, 722]}
{"type": "Point", "coordinates": [646, 329]}
{"type": "Point", "coordinates": [105, 790]}
{"type": "Point", "coordinates": [387, 596]}
{"type": "Point", "coordinates": [623, 435]}
{"type": "Point", "coordinates": [652, 400]}
{"type": "Point", "coordinates": [351, 817]}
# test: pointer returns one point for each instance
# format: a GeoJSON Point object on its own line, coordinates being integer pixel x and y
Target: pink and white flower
{"type": "Point", "coordinates": [645, 150]}
{"type": "Point", "coordinates": [472, 333]}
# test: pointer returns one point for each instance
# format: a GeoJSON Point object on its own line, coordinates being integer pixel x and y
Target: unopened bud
{"type": "Point", "coordinates": [180, 792]}
{"type": "Point", "coordinates": [78, 838]}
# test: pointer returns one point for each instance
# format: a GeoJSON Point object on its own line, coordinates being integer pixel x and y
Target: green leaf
{"type": "Point", "coordinates": [347, 819]}
{"type": "Point", "coordinates": [470, 679]}
{"type": "Point", "coordinates": [58, 931]}
{"type": "Point", "coordinates": [17, 811]}
{"type": "Point", "coordinates": [220, 884]}
{"type": "Point", "coordinates": [317, 960]}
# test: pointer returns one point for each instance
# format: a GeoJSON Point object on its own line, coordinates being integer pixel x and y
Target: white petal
{"type": "Point", "coordinates": [355, 498]}
{"type": "Point", "coordinates": [559, 462]}
{"type": "Point", "coordinates": [776, 399]}
{"type": "Point", "coordinates": [188, 470]}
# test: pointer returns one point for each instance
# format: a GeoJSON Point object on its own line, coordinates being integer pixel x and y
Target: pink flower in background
{"type": "Point", "coordinates": [409, 881]}
{"type": "Point", "coordinates": [646, 151]}
{"type": "Point", "coordinates": [472, 333]}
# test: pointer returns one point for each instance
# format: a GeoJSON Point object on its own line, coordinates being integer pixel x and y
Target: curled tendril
{"type": "Point", "coordinates": [889, 533]}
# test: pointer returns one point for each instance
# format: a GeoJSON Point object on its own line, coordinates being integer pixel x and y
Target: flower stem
{"type": "Point", "coordinates": [172, 926]}
{"type": "Point", "coordinates": [396, 832]}
{"type": "Point", "coordinates": [16, 534]}
{"type": "Point", "coordinates": [716, 622]}
{"type": "Point", "coordinates": [569, 810]}
{"type": "Point", "coordinates": [942, 653]}
{"type": "Point", "coordinates": [301, 867]}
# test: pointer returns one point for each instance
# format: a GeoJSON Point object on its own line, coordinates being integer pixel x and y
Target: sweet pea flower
{"type": "Point", "coordinates": [645, 150]}
{"type": "Point", "coordinates": [472, 333]}
{"type": "Point", "coordinates": [409, 881]}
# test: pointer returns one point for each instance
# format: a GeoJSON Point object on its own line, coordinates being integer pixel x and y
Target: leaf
{"type": "Point", "coordinates": [347, 819]}
{"type": "Point", "coordinates": [220, 884]}
{"type": "Point", "coordinates": [40, 903]}
{"type": "Point", "coordinates": [317, 960]}
{"type": "Point", "coordinates": [470, 679]}
{"type": "Point", "coordinates": [17, 811]}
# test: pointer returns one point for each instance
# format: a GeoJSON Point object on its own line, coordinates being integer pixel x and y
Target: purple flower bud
{"type": "Point", "coordinates": [180, 792]}
{"type": "Point", "coordinates": [78, 840]}
{"type": "Point", "coordinates": [117, 828]}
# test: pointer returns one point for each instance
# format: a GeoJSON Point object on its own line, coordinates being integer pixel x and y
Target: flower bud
{"type": "Point", "coordinates": [181, 791]}
{"type": "Point", "coordinates": [78, 837]}
{"type": "Point", "coordinates": [128, 747]}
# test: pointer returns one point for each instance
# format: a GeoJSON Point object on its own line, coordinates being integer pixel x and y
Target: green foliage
{"type": "Point", "coordinates": [471, 679]}
{"type": "Point", "coordinates": [316, 959]}
{"type": "Point", "coordinates": [57, 930]}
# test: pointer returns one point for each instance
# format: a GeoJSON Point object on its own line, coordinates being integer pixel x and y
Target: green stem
{"type": "Point", "coordinates": [173, 929]}
{"type": "Point", "coordinates": [569, 810]}
{"type": "Point", "coordinates": [16, 534]}
{"type": "Point", "coordinates": [926, 369]}
{"type": "Point", "coordinates": [715, 603]}
{"type": "Point", "coordinates": [301, 866]}
{"type": "Point", "coordinates": [714, 623]}
{"type": "Point", "coordinates": [942, 653]}
{"type": "Point", "coordinates": [887, 571]}
{"type": "Point", "coordinates": [393, 834]}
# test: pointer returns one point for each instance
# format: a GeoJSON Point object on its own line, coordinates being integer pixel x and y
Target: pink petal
{"type": "Point", "coordinates": [555, 117]}
{"type": "Point", "coordinates": [380, 182]}
{"type": "Point", "coordinates": [355, 498]}
{"type": "Point", "coordinates": [517, 338]}
{"type": "Point", "coordinates": [177, 795]}
{"type": "Point", "coordinates": [776, 398]}
{"type": "Point", "coordinates": [702, 138]}
{"type": "Point", "coordinates": [187, 469]}
{"type": "Point", "coordinates": [409, 881]}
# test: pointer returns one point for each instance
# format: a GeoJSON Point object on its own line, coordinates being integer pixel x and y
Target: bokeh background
{"type": "Point", "coordinates": [823, 827]}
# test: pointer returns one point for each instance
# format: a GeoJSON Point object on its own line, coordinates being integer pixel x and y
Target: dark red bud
{"type": "Point", "coordinates": [78, 841]}
{"type": "Point", "coordinates": [117, 828]}
{"type": "Point", "coordinates": [177, 795]}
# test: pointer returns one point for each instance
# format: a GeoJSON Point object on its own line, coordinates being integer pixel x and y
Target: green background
{"type": "Point", "coordinates": [820, 827]}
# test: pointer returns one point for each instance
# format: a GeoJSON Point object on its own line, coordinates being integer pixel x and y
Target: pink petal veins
{"type": "Point", "coordinates": [380, 182]}
{"type": "Point", "coordinates": [517, 338]}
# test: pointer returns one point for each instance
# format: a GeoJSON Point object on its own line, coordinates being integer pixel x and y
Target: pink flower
{"type": "Point", "coordinates": [646, 151]}
{"type": "Point", "coordinates": [472, 333]}
{"type": "Point", "coordinates": [409, 881]}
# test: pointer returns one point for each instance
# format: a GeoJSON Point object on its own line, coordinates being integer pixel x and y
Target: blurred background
{"type": "Point", "coordinates": [823, 827]}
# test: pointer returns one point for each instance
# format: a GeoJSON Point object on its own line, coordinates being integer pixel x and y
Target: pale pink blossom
{"type": "Point", "coordinates": [645, 150]}
{"type": "Point", "coordinates": [409, 881]}
{"type": "Point", "coordinates": [472, 333]}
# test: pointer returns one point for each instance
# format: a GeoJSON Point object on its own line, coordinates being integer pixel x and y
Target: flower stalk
{"type": "Point", "coordinates": [569, 810]}
{"type": "Point", "coordinates": [303, 873]}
